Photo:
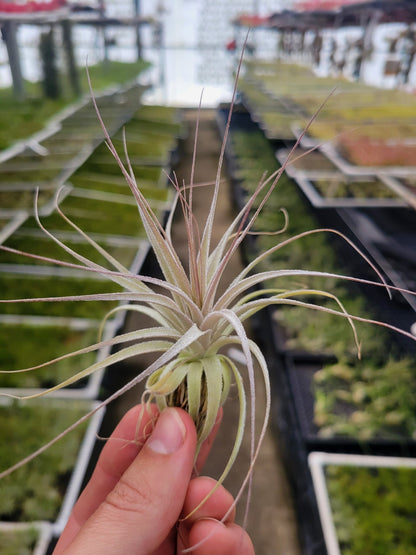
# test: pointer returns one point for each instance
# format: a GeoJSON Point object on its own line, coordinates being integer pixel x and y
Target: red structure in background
{"type": "Point", "coordinates": [323, 5]}
{"type": "Point", "coordinates": [252, 20]}
{"type": "Point", "coordinates": [31, 6]}
{"type": "Point", "coordinates": [231, 46]}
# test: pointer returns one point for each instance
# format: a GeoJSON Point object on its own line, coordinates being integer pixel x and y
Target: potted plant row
{"type": "Point", "coordinates": [97, 202]}
{"type": "Point", "coordinates": [274, 119]}
{"type": "Point", "coordinates": [328, 399]}
{"type": "Point", "coordinates": [320, 344]}
{"type": "Point", "coordinates": [37, 157]}
{"type": "Point", "coordinates": [360, 128]}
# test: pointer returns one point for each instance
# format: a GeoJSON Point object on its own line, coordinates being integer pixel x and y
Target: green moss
{"type": "Point", "coordinates": [139, 147]}
{"type": "Point", "coordinates": [28, 176]}
{"type": "Point", "coordinates": [278, 125]}
{"type": "Point", "coordinates": [4, 222]}
{"type": "Point", "coordinates": [341, 188]}
{"type": "Point", "coordinates": [150, 189]}
{"type": "Point", "coordinates": [41, 245]}
{"type": "Point", "coordinates": [24, 199]}
{"type": "Point", "coordinates": [167, 115]}
{"type": "Point", "coordinates": [96, 216]}
{"type": "Point", "coordinates": [35, 491]}
{"type": "Point", "coordinates": [20, 287]}
{"type": "Point", "coordinates": [374, 509]}
{"type": "Point", "coordinates": [21, 119]}
{"type": "Point", "coordinates": [18, 542]}
{"type": "Point", "coordinates": [112, 73]}
{"type": "Point", "coordinates": [140, 125]}
{"type": "Point", "coordinates": [24, 346]}
{"type": "Point", "coordinates": [145, 173]}
{"type": "Point", "coordinates": [161, 120]}
{"type": "Point", "coordinates": [255, 98]}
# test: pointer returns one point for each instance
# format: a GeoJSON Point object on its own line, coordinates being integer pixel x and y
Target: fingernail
{"type": "Point", "coordinates": [169, 433]}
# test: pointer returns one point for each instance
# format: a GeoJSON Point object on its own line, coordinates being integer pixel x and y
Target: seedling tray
{"type": "Point", "coordinates": [353, 170]}
{"type": "Point", "coordinates": [330, 189]}
{"type": "Point", "coordinates": [34, 241]}
{"type": "Point", "coordinates": [362, 502]}
{"type": "Point", "coordinates": [300, 376]}
{"type": "Point", "coordinates": [9, 223]}
{"type": "Point", "coordinates": [294, 455]}
{"type": "Point", "coordinates": [303, 160]}
{"type": "Point", "coordinates": [16, 286]}
{"type": "Point", "coordinates": [94, 216]}
{"type": "Point", "coordinates": [17, 197]}
{"type": "Point", "coordinates": [152, 180]}
{"type": "Point", "coordinates": [25, 345]}
{"type": "Point", "coordinates": [404, 187]}
{"type": "Point", "coordinates": [25, 539]}
{"type": "Point", "coordinates": [30, 493]}
{"type": "Point", "coordinates": [277, 126]}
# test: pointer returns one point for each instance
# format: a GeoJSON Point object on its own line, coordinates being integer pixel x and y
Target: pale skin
{"type": "Point", "coordinates": [143, 489]}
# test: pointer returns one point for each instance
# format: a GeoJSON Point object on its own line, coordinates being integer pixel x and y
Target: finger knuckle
{"type": "Point", "coordinates": [128, 497]}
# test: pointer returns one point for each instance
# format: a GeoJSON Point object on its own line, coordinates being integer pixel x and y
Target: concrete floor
{"type": "Point", "coordinates": [272, 521]}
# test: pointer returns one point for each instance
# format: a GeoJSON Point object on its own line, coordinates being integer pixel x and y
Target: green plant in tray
{"type": "Point", "coordinates": [373, 509]}
{"type": "Point", "coordinates": [24, 345]}
{"type": "Point", "coordinates": [13, 285]}
{"type": "Point", "coordinates": [342, 188]}
{"type": "Point", "coordinates": [368, 398]}
{"type": "Point", "coordinates": [96, 216]}
{"type": "Point", "coordinates": [122, 248]}
{"type": "Point", "coordinates": [18, 541]}
{"type": "Point", "coordinates": [32, 493]}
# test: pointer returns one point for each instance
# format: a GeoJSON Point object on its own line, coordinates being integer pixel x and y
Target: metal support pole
{"type": "Point", "coordinates": [70, 58]}
{"type": "Point", "coordinates": [138, 39]}
{"type": "Point", "coordinates": [9, 36]}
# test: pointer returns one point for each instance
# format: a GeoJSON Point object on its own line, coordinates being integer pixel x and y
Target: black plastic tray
{"type": "Point", "coordinates": [300, 380]}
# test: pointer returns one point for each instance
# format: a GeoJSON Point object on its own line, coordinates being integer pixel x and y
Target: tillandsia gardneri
{"type": "Point", "coordinates": [194, 324]}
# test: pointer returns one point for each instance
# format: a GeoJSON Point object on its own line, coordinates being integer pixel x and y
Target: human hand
{"type": "Point", "coordinates": [142, 487]}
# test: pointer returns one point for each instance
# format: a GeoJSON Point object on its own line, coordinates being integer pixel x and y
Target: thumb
{"type": "Point", "coordinates": [138, 514]}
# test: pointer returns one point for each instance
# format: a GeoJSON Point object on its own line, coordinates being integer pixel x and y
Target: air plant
{"type": "Point", "coordinates": [194, 324]}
